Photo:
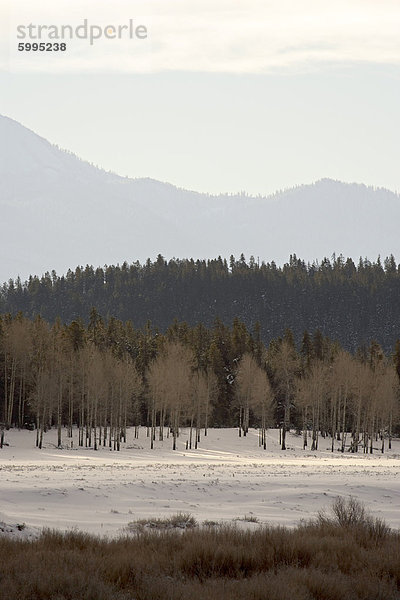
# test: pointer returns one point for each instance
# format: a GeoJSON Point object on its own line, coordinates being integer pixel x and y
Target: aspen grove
{"type": "Point", "coordinates": [107, 375]}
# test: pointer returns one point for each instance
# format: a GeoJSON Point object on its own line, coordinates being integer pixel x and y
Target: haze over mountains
{"type": "Point", "coordinates": [58, 211]}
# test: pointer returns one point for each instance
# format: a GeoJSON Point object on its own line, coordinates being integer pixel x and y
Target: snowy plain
{"type": "Point", "coordinates": [227, 478]}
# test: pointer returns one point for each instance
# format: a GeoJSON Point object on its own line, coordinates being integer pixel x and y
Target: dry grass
{"type": "Point", "coordinates": [328, 559]}
{"type": "Point", "coordinates": [178, 521]}
{"type": "Point", "coordinates": [248, 519]}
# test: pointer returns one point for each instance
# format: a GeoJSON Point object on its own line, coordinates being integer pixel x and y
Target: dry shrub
{"type": "Point", "coordinates": [178, 521]}
{"type": "Point", "coordinates": [333, 558]}
{"type": "Point", "coordinates": [350, 514]}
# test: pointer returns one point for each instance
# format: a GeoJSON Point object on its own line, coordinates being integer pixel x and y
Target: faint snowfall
{"type": "Point", "coordinates": [59, 212]}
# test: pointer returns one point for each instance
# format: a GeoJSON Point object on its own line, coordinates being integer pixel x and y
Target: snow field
{"type": "Point", "coordinates": [227, 478]}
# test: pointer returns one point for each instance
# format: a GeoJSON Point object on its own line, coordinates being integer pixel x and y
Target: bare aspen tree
{"type": "Point", "coordinates": [41, 376]}
{"type": "Point", "coordinates": [17, 356]}
{"type": "Point", "coordinates": [71, 384]}
{"type": "Point", "coordinates": [342, 379]}
{"type": "Point", "coordinates": [201, 401]}
{"type": "Point", "coordinates": [212, 392]}
{"type": "Point", "coordinates": [96, 392]}
{"type": "Point", "coordinates": [170, 386]}
{"type": "Point", "coordinates": [285, 364]}
{"type": "Point", "coordinates": [157, 394]}
{"type": "Point", "coordinates": [245, 380]}
{"type": "Point", "coordinates": [17, 349]}
{"type": "Point", "coordinates": [192, 409]}
{"type": "Point", "coordinates": [45, 388]}
{"type": "Point", "coordinates": [383, 403]}
{"type": "Point", "coordinates": [362, 387]}
{"type": "Point", "coordinates": [25, 363]}
{"type": "Point", "coordinates": [198, 406]}
{"type": "Point", "coordinates": [132, 389]}
{"type": "Point", "coordinates": [371, 421]}
{"type": "Point", "coordinates": [75, 339]}
{"type": "Point", "coordinates": [334, 405]}
{"type": "Point", "coordinates": [303, 402]}
{"type": "Point", "coordinates": [113, 400]}
{"type": "Point", "coordinates": [179, 369]}
{"type": "Point", "coordinates": [261, 403]}
{"type": "Point", "coordinates": [390, 394]}
{"type": "Point", "coordinates": [317, 379]}
{"type": "Point", "coordinates": [253, 393]}
{"type": "Point", "coordinates": [58, 360]}
{"type": "Point", "coordinates": [83, 368]}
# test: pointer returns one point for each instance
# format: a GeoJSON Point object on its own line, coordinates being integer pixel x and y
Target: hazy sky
{"type": "Point", "coordinates": [250, 95]}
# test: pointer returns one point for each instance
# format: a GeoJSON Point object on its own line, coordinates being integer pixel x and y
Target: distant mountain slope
{"type": "Point", "coordinates": [58, 211]}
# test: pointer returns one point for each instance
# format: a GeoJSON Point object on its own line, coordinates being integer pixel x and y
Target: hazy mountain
{"type": "Point", "coordinates": [58, 211]}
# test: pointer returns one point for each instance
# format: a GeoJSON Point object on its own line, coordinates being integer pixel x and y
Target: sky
{"type": "Point", "coordinates": [253, 96]}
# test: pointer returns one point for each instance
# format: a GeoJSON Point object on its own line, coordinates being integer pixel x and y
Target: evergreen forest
{"type": "Point", "coordinates": [353, 304]}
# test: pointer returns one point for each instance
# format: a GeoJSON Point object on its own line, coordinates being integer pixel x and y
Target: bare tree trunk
{"type": "Point", "coordinates": [111, 431]}
{"type": "Point", "coordinates": [304, 427]}
{"type": "Point", "coordinates": [371, 446]}
{"type": "Point", "coordinates": [147, 422]}
{"type": "Point", "coordinates": [59, 414]}
{"type": "Point", "coordinates": [245, 419]}
{"type": "Point", "coordinates": [153, 410]}
{"type": "Point", "coordinates": [338, 419]}
{"type": "Point", "coordinates": [333, 421]}
{"type": "Point", "coordinates": [175, 429]}
{"type": "Point", "coordinates": [198, 425]}
{"type": "Point", "coordinates": [37, 428]}
{"type": "Point", "coordinates": [125, 422]}
{"type": "Point", "coordinates": [105, 428]}
{"type": "Point", "coordinates": [344, 424]}
{"type": "Point", "coordinates": [95, 424]}
{"type": "Point", "coordinates": [191, 430]}
{"type": "Point", "coordinates": [313, 430]}
{"type": "Point", "coordinates": [11, 392]}
{"type": "Point", "coordinates": [283, 435]}
{"type": "Point", "coordinates": [71, 398]}
{"type": "Point", "coordinates": [41, 431]}
{"type": "Point", "coordinates": [20, 404]}
{"type": "Point", "coordinates": [5, 389]}
{"type": "Point", "coordinates": [162, 424]}
{"type": "Point", "coordinates": [314, 445]}
{"type": "Point", "coordinates": [264, 428]}
{"type": "Point", "coordinates": [119, 416]}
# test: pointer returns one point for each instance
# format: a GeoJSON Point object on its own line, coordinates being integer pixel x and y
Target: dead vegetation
{"type": "Point", "coordinates": [343, 555]}
{"type": "Point", "coordinates": [179, 521]}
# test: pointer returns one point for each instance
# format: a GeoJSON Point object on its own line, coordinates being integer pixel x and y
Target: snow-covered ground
{"type": "Point", "coordinates": [226, 478]}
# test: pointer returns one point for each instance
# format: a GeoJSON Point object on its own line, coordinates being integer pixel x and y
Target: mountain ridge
{"type": "Point", "coordinates": [279, 192]}
{"type": "Point", "coordinates": [59, 211]}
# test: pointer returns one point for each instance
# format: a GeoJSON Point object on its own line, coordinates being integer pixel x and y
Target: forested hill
{"type": "Point", "coordinates": [353, 304]}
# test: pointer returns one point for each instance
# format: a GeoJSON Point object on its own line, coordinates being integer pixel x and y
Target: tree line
{"type": "Point", "coordinates": [107, 375]}
{"type": "Point", "coordinates": [353, 303]}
